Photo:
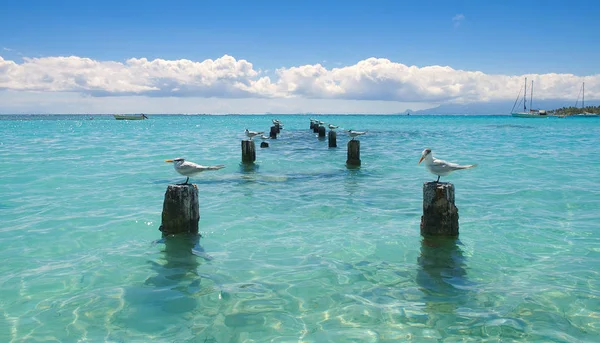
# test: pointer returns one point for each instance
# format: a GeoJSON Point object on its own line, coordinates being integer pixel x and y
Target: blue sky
{"type": "Point", "coordinates": [494, 37]}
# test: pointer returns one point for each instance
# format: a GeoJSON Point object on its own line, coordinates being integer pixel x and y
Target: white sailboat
{"type": "Point", "coordinates": [584, 113]}
{"type": "Point", "coordinates": [531, 113]}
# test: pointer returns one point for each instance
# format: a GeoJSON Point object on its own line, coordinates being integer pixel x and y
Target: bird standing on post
{"type": "Point", "coordinates": [189, 169]}
{"type": "Point", "coordinates": [440, 167]}
{"type": "Point", "coordinates": [354, 134]}
{"type": "Point", "coordinates": [251, 134]}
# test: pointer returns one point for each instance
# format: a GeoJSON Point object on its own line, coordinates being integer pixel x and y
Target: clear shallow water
{"type": "Point", "coordinates": [302, 249]}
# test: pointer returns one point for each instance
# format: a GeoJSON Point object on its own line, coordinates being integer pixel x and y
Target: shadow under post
{"type": "Point", "coordinates": [172, 291]}
{"type": "Point", "coordinates": [248, 168]}
{"type": "Point", "coordinates": [442, 278]}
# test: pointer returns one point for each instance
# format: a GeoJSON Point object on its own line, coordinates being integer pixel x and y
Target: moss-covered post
{"type": "Point", "coordinates": [274, 131]}
{"type": "Point", "coordinates": [440, 215]}
{"type": "Point", "coordinates": [322, 131]}
{"type": "Point", "coordinates": [181, 211]}
{"type": "Point", "coordinates": [353, 153]}
{"type": "Point", "coordinates": [332, 138]}
{"type": "Point", "coordinates": [248, 151]}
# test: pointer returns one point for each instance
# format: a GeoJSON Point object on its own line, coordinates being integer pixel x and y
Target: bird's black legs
{"type": "Point", "coordinates": [438, 180]}
{"type": "Point", "coordinates": [185, 183]}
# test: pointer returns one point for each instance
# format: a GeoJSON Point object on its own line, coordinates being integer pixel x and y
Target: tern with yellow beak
{"type": "Point", "coordinates": [190, 169]}
{"type": "Point", "coordinates": [439, 167]}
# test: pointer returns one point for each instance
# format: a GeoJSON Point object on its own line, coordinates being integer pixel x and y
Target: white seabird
{"type": "Point", "coordinates": [251, 134]}
{"type": "Point", "coordinates": [440, 167]}
{"type": "Point", "coordinates": [189, 169]}
{"type": "Point", "coordinates": [354, 134]}
{"type": "Point", "coordinates": [332, 127]}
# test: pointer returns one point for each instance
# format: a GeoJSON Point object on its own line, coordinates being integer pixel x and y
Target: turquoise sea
{"type": "Point", "coordinates": [299, 248]}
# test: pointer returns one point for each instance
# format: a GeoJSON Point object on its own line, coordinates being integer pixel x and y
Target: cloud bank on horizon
{"type": "Point", "coordinates": [227, 77]}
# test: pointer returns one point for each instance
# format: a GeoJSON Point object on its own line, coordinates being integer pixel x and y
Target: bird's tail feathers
{"type": "Point", "coordinates": [470, 166]}
{"type": "Point", "coordinates": [217, 167]}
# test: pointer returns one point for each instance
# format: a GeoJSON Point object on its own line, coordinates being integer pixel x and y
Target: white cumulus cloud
{"type": "Point", "coordinates": [226, 77]}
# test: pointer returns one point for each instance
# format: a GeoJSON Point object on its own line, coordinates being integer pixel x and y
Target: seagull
{"type": "Point", "coordinates": [276, 121]}
{"type": "Point", "coordinates": [190, 168]}
{"type": "Point", "coordinates": [251, 134]}
{"type": "Point", "coordinates": [439, 167]}
{"type": "Point", "coordinates": [332, 127]}
{"type": "Point", "coordinates": [353, 133]}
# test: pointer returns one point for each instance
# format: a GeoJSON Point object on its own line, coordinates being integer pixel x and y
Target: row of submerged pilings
{"type": "Point", "coordinates": [318, 127]}
{"type": "Point", "coordinates": [181, 212]}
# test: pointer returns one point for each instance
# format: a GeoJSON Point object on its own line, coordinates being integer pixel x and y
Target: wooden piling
{"type": "Point", "coordinates": [248, 151]}
{"type": "Point", "coordinates": [316, 128]}
{"type": "Point", "coordinates": [181, 211]}
{"type": "Point", "coordinates": [312, 125]}
{"type": "Point", "coordinates": [264, 145]}
{"type": "Point", "coordinates": [322, 131]}
{"type": "Point", "coordinates": [332, 136]}
{"type": "Point", "coordinates": [353, 153]}
{"type": "Point", "coordinates": [274, 131]}
{"type": "Point", "coordinates": [440, 215]}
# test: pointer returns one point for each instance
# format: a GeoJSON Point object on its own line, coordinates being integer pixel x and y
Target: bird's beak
{"type": "Point", "coordinates": [421, 160]}
{"type": "Point", "coordinates": [169, 161]}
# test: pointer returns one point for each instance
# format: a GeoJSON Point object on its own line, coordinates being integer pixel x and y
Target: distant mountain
{"type": "Point", "coordinates": [495, 107]}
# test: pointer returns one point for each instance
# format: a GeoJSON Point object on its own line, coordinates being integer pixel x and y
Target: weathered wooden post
{"type": "Point", "coordinates": [264, 145]}
{"type": "Point", "coordinates": [322, 131]}
{"type": "Point", "coordinates": [273, 133]}
{"type": "Point", "coordinates": [332, 138]}
{"type": "Point", "coordinates": [278, 127]}
{"type": "Point", "coordinates": [353, 153]}
{"type": "Point", "coordinates": [440, 215]}
{"type": "Point", "coordinates": [312, 125]}
{"type": "Point", "coordinates": [181, 211]}
{"type": "Point", "coordinates": [316, 128]}
{"type": "Point", "coordinates": [248, 151]}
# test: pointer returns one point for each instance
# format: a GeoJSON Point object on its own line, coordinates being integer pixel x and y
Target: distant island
{"type": "Point", "coordinates": [571, 110]}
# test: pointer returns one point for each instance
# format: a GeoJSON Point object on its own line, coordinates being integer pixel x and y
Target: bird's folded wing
{"type": "Point", "coordinates": [191, 168]}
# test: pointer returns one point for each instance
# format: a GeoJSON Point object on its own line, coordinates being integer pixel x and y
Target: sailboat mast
{"type": "Point", "coordinates": [531, 97]}
{"type": "Point", "coordinates": [525, 97]}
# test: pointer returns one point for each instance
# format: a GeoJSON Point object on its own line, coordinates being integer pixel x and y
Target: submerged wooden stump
{"type": "Point", "coordinates": [248, 151]}
{"type": "Point", "coordinates": [181, 211]}
{"type": "Point", "coordinates": [353, 153]}
{"type": "Point", "coordinates": [322, 131]}
{"type": "Point", "coordinates": [332, 138]}
{"type": "Point", "coordinates": [264, 145]}
{"type": "Point", "coordinates": [440, 215]}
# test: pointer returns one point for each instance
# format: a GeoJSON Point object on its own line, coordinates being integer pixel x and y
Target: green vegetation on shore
{"type": "Point", "coordinates": [569, 111]}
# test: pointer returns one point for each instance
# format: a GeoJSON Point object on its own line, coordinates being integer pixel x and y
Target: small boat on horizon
{"type": "Point", "coordinates": [531, 113]}
{"type": "Point", "coordinates": [140, 116]}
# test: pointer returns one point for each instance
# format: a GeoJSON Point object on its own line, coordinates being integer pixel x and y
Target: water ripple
{"type": "Point", "coordinates": [298, 248]}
